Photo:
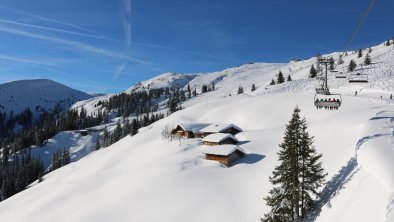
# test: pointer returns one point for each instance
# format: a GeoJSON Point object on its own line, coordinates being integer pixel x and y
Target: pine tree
{"type": "Point", "coordinates": [253, 88]}
{"type": "Point", "coordinates": [272, 82]}
{"type": "Point", "coordinates": [240, 90]}
{"type": "Point", "coordinates": [189, 92]}
{"type": "Point", "coordinates": [340, 60]}
{"type": "Point", "coordinates": [367, 60]}
{"type": "Point", "coordinates": [312, 72]}
{"type": "Point", "coordinates": [281, 79]}
{"type": "Point", "coordinates": [360, 53]}
{"type": "Point", "coordinates": [332, 62]}
{"type": "Point", "coordinates": [352, 66]}
{"type": "Point", "coordinates": [369, 50]}
{"type": "Point", "coordinates": [289, 78]}
{"type": "Point", "coordinates": [98, 142]}
{"type": "Point", "coordinates": [298, 176]}
{"type": "Point", "coordinates": [388, 43]}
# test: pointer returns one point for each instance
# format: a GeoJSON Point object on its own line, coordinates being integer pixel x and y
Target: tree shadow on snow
{"type": "Point", "coordinates": [250, 158]}
{"type": "Point", "coordinates": [366, 138]}
{"type": "Point", "coordinates": [333, 188]}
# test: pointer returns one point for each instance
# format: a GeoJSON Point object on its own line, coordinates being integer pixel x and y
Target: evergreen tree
{"type": "Point", "coordinates": [367, 60]}
{"type": "Point", "coordinates": [240, 90]}
{"type": "Point", "coordinates": [272, 82]}
{"type": "Point", "coordinates": [360, 53]}
{"type": "Point", "coordinates": [298, 176]}
{"type": "Point", "coordinates": [369, 50]}
{"type": "Point", "coordinates": [204, 88]}
{"type": "Point", "coordinates": [289, 78]}
{"type": "Point", "coordinates": [134, 127]}
{"type": "Point", "coordinates": [352, 66]}
{"type": "Point", "coordinates": [189, 92]}
{"type": "Point", "coordinates": [388, 43]}
{"type": "Point", "coordinates": [281, 79]}
{"type": "Point", "coordinates": [332, 62]}
{"type": "Point", "coordinates": [312, 72]}
{"type": "Point", "coordinates": [253, 88]}
{"type": "Point", "coordinates": [340, 60]}
{"type": "Point", "coordinates": [106, 140]}
{"type": "Point", "coordinates": [98, 142]}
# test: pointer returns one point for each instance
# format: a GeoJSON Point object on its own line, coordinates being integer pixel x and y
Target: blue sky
{"type": "Point", "coordinates": [108, 45]}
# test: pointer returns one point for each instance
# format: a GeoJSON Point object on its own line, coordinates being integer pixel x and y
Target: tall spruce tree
{"type": "Point", "coordinates": [298, 176]}
{"type": "Point", "coordinates": [340, 60]}
{"type": "Point", "coordinates": [253, 88]}
{"type": "Point", "coordinates": [312, 72]}
{"type": "Point", "coordinates": [352, 66]}
{"type": "Point", "coordinates": [240, 90]}
{"type": "Point", "coordinates": [360, 53]}
{"type": "Point", "coordinates": [367, 59]}
{"type": "Point", "coordinates": [281, 78]}
{"type": "Point", "coordinates": [332, 63]}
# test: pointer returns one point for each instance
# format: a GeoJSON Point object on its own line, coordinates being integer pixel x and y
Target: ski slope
{"type": "Point", "coordinates": [148, 178]}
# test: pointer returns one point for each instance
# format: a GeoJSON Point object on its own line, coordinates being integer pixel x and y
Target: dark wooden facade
{"type": "Point", "coordinates": [225, 160]}
{"type": "Point", "coordinates": [231, 130]}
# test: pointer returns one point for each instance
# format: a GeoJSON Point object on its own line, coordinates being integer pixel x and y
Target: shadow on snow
{"type": "Point", "coordinates": [333, 188]}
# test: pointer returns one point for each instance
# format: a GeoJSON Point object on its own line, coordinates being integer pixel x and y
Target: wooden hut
{"type": "Point", "coordinates": [219, 139]}
{"type": "Point", "coordinates": [221, 128]}
{"type": "Point", "coordinates": [224, 154]}
{"type": "Point", "coordinates": [189, 130]}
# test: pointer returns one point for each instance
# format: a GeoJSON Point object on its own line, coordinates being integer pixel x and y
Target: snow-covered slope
{"type": "Point", "coordinates": [147, 178]}
{"type": "Point", "coordinates": [79, 146]}
{"type": "Point", "coordinates": [164, 80]}
{"type": "Point", "coordinates": [18, 95]}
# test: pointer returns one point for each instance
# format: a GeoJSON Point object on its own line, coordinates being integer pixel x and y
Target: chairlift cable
{"type": "Point", "coordinates": [360, 23]}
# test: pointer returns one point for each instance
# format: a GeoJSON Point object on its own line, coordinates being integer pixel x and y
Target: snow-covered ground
{"type": "Point", "coordinates": [79, 146]}
{"type": "Point", "coordinates": [148, 178]}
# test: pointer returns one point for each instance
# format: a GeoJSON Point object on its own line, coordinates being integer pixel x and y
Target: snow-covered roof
{"type": "Point", "coordinates": [221, 150]}
{"type": "Point", "coordinates": [194, 127]}
{"type": "Point", "coordinates": [217, 128]}
{"type": "Point", "coordinates": [218, 137]}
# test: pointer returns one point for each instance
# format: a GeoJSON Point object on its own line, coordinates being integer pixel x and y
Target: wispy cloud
{"type": "Point", "coordinates": [46, 28]}
{"type": "Point", "coordinates": [26, 60]}
{"type": "Point", "coordinates": [127, 41]}
{"type": "Point", "coordinates": [50, 20]}
{"type": "Point", "coordinates": [186, 51]}
{"type": "Point", "coordinates": [119, 70]}
{"type": "Point", "coordinates": [127, 22]}
{"type": "Point", "coordinates": [76, 45]}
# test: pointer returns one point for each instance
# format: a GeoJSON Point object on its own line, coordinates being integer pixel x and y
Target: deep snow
{"type": "Point", "coordinates": [148, 178]}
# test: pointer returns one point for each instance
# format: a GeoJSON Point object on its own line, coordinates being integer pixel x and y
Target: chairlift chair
{"type": "Point", "coordinates": [358, 78]}
{"type": "Point", "coordinates": [340, 75]}
{"type": "Point", "coordinates": [328, 101]}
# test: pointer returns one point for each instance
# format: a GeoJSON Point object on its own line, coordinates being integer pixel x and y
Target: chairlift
{"type": "Point", "coordinates": [340, 75]}
{"type": "Point", "coordinates": [358, 78]}
{"type": "Point", "coordinates": [322, 91]}
{"type": "Point", "coordinates": [331, 101]}
{"type": "Point", "coordinates": [323, 98]}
